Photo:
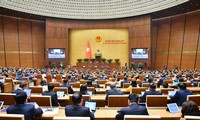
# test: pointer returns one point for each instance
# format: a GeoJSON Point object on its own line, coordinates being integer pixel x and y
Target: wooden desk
{"type": "Point", "coordinates": [105, 113]}
{"type": "Point", "coordinates": [99, 99]}
{"type": "Point", "coordinates": [102, 90]}
{"type": "Point", "coordinates": [195, 90]}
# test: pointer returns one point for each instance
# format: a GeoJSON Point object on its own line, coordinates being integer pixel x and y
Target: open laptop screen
{"type": "Point", "coordinates": [90, 93]}
{"type": "Point", "coordinates": [1, 104]}
{"type": "Point", "coordinates": [173, 108]}
{"type": "Point", "coordinates": [91, 105]}
{"type": "Point", "coordinates": [28, 92]}
{"type": "Point", "coordinates": [60, 94]}
{"type": "Point", "coordinates": [171, 93]}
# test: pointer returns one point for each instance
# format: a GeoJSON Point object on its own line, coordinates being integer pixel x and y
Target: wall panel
{"type": "Point", "coordinates": [25, 43]}
{"type": "Point", "coordinates": [154, 42]}
{"type": "Point", "coordinates": [38, 35]}
{"type": "Point", "coordinates": [190, 41]}
{"type": "Point", "coordinates": [2, 60]}
{"type": "Point", "coordinates": [178, 40]}
{"type": "Point", "coordinates": [11, 41]}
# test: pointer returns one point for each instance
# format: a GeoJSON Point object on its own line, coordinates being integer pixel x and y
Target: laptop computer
{"type": "Point", "coordinates": [108, 87]}
{"type": "Point", "coordinates": [90, 93]}
{"type": "Point", "coordinates": [175, 82]}
{"type": "Point", "coordinates": [28, 92]}
{"type": "Point", "coordinates": [91, 105]}
{"type": "Point", "coordinates": [171, 93]}
{"type": "Point", "coordinates": [1, 104]}
{"type": "Point", "coordinates": [173, 108]}
{"type": "Point", "coordinates": [142, 93]}
{"type": "Point", "coordinates": [60, 94]}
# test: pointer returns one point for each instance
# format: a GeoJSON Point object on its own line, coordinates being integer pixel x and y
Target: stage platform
{"type": "Point", "coordinates": [95, 66]}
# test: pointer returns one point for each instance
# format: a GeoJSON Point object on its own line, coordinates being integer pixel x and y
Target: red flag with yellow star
{"type": "Point", "coordinates": [88, 51]}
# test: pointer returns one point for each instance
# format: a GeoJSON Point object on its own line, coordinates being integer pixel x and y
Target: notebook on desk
{"type": "Point", "coordinates": [91, 105]}
{"type": "Point", "coordinates": [28, 92]}
{"type": "Point", "coordinates": [173, 108]}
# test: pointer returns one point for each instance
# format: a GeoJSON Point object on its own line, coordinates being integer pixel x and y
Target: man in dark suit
{"type": "Point", "coordinates": [70, 90]}
{"type": "Point", "coordinates": [180, 95]}
{"type": "Point", "coordinates": [113, 91]}
{"type": "Point", "coordinates": [21, 88]}
{"type": "Point", "coordinates": [20, 107]}
{"type": "Point", "coordinates": [132, 109]}
{"type": "Point", "coordinates": [152, 91]}
{"type": "Point", "coordinates": [77, 109]}
{"type": "Point", "coordinates": [53, 95]}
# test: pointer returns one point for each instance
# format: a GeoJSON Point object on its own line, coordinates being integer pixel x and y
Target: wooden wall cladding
{"type": "Point", "coordinates": [11, 41]}
{"type": "Point", "coordinates": [38, 39]}
{"type": "Point", "coordinates": [139, 33]}
{"type": "Point", "coordinates": [2, 60]}
{"type": "Point", "coordinates": [22, 39]}
{"type": "Point", "coordinates": [177, 41]}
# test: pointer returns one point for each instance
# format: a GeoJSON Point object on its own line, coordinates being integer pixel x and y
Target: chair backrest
{"type": "Point", "coordinates": [48, 78]}
{"type": "Point", "coordinates": [64, 89]}
{"type": "Point", "coordinates": [11, 117]}
{"type": "Point", "coordinates": [126, 85]}
{"type": "Point", "coordinates": [168, 81]}
{"type": "Point", "coordinates": [36, 89]}
{"type": "Point", "coordinates": [165, 90]}
{"type": "Point", "coordinates": [41, 100]}
{"type": "Point", "coordinates": [107, 84]}
{"type": "Point", "coordinates": [91, 89]}
{"type": "Point", "coordinates": [138, 90]}
{"type": "Point", "coordinates": [94, 85]}
{"type": "Point", "coordinates": [156, 100]}
{"type": "Point", "coordinates": [120, 77]}
{"type": "Point", "coordinates": [195, 75]}
{"type": "Point", "coordinates": [39, 76]}
{"type": "Point", "coordinates": [142, 76]}
{"type": "Point", "coordinates": [117, 100]}
{"type": "Point", "coordinates": [71, 118]}
{"type": "Point", "coordinates": [37, 82]}
{"type": "Point", "coordinates": [101, 81]}
{"type": "Point", "coordinates": [8, 98]}
{"type": "Point", "coordinates": [56, 84]}
{"type": "Point", "coordinates": [83, 81]}
{"type": "Point", "coordinates": [146, 85]}
{"type": "Point", "coordinates": [59, 78]}
{"type": "Point", "coordinates": [141, 117]}
{"type": "Point", "coordinates": [26, 80]}
{"type": "Point", "coordinates": [84, 97]}
{"type": "Point", "coordinates": [188, 84]}
{"type": "Point", "coordinates": [75, 85]}
{"type": "Point", "coordinates": [187, 117]}
{"type": "Point", "coordinates": [194, 98]}
{"type": "Point", "coordinates": [9, 85]}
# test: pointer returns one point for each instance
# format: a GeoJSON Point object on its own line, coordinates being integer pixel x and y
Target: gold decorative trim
{"type": "Point", "coordinates": [21, 52]}
{"type": "Point", "coordinates": [173, 52]}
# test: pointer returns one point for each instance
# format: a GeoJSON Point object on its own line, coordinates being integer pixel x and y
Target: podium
{"type": "Point", "coordinates": [98, 58]}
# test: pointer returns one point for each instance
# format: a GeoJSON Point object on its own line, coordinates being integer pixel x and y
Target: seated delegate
{"type": "Point", "coordinates": [133, 108]}
{"type": "Point", "coordinates": [77, 109]}
{"type": "Point", "coordinates": [28, 110]}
